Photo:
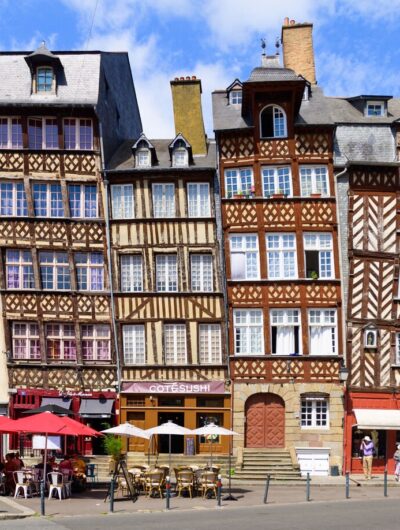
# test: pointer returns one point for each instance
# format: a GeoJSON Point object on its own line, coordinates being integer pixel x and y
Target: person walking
{"type": "Point", "coordinates": [396, 458]}
{"type": "Point", "coordinates": [368, 449]}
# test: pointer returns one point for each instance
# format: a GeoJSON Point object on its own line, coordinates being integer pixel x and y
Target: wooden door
{"type": "Point", "coordinates": [137, 419]}
{"type": "Point", "coordinates": [265, 421]}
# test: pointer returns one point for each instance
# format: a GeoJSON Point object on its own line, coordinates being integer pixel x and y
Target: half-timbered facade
{"type": "Point", "coordinates": [168, 280]}
{"type": "Point", "coordinates": [57, 111]}
{"type": "Point", "coordinates": [280, 223]}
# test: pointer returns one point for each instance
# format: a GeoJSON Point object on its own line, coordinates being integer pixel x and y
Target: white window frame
{"type": "Point", "coordinates": [143, 157]}
{"type": "Point", "coordinates": [180, 157]}
{"type": "Point", "coordinates": [313, 177]}
{"type": "Point", "coordinates": [325, 316]}
{"type": "Point", "coordinates": [205, 277]}
{"type": "Point", "coordinates": [280, 251]}
{"type": "Point", "coordinates": [31, 334]}
{"type": "Point", "coordinates": [10, 144]}
{"type": "Point", "coordinates": [194, 200]}
{"type": "Point", "coordinates": [96, 338]}
{"type": "Point", "coordinates": [21, 264]}
{"type": "Point", "coordinates": [135, 345]}
{"type": "Point", "coordinates": [247, 325]}
{"type": "Point", "coordinates": [170, 278]}
{"type": "Point", "coordinates": [78, 146]}
{"type": "Point", "coordinates": [63, 338]}
{"type": "Point", "coordinates": [397, 360]}
{"type": "Point", "coordinates": [240, 180]}
{"type": "Point", "coordinates": [286, 318]}
{"type": "Point", "coordinates": [49, 208]}
{"type": "Point", "coordinates": [174, 357]}
{"type": "Point", "coordinates": [244, 250]}
{"type": "Point", "coordinates": [312, 402]}
{"type": "Point", "coordinates": [131, 271]}
{"type": "Point", "coordinates": [322, 249]}
{"type": "Point", "coordinates": [45, 67]}
{"type": "Point", "coordinates": [126, 207]}
{"type": "Point", "coordinates": [275, 109]}
{"type": "Point", "coordinates": [82, 203]}
{"type": "Point", "coordinates": [210, 348]}
{"type": "Point", "coordinates": [55, 265]}
{"type": "Point", "coordinates": [43, 120]}
{"type": "Point", "coordinates": [14, 202]}
{"type": "Point", "coordinates": [277, 176]}
{"type": "Point", "coordinates": [166, 208]}
{"type": "Point", "coordinates": [235, 96]}
{"type": "Point", "coordinates": [90, 266]}
{"type": "Point", "coordinates": [375, 105]}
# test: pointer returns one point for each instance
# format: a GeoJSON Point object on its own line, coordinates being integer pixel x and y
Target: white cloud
{"type": "Point", "coordinates": [35, 41]}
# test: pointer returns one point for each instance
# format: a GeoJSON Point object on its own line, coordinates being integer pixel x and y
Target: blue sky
{"type": "Point", "coordinates": [355, 42]}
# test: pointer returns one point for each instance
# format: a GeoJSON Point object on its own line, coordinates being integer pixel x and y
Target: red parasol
{"type": "Point", "coordinates": [83, 429]}
{"type": "Point", "coordinates": [6, 423]}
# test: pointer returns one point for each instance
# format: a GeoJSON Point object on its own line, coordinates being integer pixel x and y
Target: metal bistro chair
{"type": "Point", "coordinates": [208, 482]}
{"type": "Point", "coordinates": [185, 481]}
{"type": "Point", "coordinates": [21, 483]}
{"type": "Point", "coordinates": [56, 484]}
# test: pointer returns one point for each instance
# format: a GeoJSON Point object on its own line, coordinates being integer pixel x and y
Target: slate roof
{"type": "Point", "coordinates": [123, 160]}
{"type": "Point", "coordinates": [263, 74]}
{"type": "Point", "coordinates": [77, 82]}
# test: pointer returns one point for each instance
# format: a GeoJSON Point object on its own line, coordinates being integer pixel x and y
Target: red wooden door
{"type": "Point", "coordinates": [265, 421]}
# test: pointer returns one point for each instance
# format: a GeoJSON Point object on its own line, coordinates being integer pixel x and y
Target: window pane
{"type": "Point", "coordinates": [44, 79]}
{"type": "Point", "coordinates": [70, 133]}
{"type": "Point", "coordinates": [134, 344]}
{"type": "Point", "coordinates": [3, 132]}
{"type": "Point", "coordinates": [131, 273]}
{"type": "Point", "coordinates": [85, 134]}
{"type": "Point", "coordinates": [122, 201]}
{"type": "Point", "coordinates": [210, 343]}
{"type": "Point", "coordinates": [51, 133]}
{"type": "Point", "coordinates": [35, 133]}
{"type": "Point", "coordinates": [201, 272]}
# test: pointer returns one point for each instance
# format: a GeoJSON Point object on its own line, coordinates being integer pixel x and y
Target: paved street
{"type": "Point", "coordinates": [352, 514]}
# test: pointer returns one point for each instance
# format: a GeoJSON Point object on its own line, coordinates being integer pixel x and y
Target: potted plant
{"type": "Point", "coordinates": [239, 195]}
{"type": "Point", "coordinates": [253, 191]}
{"type": "Point", "coordinates": [113, 447]}
{"type": "Point", "coordinates": [314, 275]}
{"type": "Point", "coordinates": [279, 194]}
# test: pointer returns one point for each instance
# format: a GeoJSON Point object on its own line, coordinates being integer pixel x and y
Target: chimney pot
{"type": "Point", "coordinates": [176, 79]}
{"type": "Point", "coordinates": [181, 78]}
{"type": "Point", "coordinates": [188, 78]}
{"type": "Point", "coordinates": [286, 21]}
{"type": "Point", "coordinates": [292, 22]}
{"type": "Point", "coordinates": [194, 77]}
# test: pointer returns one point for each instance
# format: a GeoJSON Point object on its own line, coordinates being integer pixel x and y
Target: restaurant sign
{"type": "Point", "coordinates": [175, 387]}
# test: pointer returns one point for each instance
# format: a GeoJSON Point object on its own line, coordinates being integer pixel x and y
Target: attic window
{"type": "Point", "coordinates": [235, 97]}
{"type": "Point", "coordinates": [180, 155]}
{"type": "Point", "coordinates": [273, 122]}
{"type": "Point", "coordinates": [44, 79]}
{"type": "Point", "coordinates": [375, 108]}
{"type": "Point", "coordinates": [143, 157]}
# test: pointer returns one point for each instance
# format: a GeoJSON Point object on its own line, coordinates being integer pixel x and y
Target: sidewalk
{"type": "Point", "coordinates": [325, 489]}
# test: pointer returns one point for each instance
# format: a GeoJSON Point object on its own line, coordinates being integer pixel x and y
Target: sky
{"type": "Point", "coordinates": [356, 42]}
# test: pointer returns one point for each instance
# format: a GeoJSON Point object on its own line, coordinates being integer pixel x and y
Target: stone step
{"type": "Point", "coordinates": [248, 478]}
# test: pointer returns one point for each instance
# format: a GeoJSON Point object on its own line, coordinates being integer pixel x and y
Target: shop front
{"type": "Point", "coordinates": [95, 409]}
{"type": "Point", "coordinates": [376, 415]}
{"type": "Point", "coordinates": [190, 404]}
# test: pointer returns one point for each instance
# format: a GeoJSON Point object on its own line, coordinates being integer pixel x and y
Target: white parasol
{"type": "Point", "coordinates": [169, 428]}
{"type": "Point", "coordinates": [128, 430]}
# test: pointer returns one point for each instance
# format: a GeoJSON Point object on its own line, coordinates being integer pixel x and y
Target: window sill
{"type": "Point", "coordinates": [317, 429]}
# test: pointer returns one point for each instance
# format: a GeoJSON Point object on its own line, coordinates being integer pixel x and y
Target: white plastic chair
{"type": "Point", "coordinates": [21, 484]}
{"type": "Point", "coordinates": [56, 483]}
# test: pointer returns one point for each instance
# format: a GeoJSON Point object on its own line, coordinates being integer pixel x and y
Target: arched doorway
{"type": "Point", "coordinates": [265, 421]}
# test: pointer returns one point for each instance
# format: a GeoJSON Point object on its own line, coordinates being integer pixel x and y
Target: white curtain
{"type": "Point", "coordinates": [321, 340]}
{"type": "Point", "coordinates": [285, 340]}
{"type": "Point", "coordinates": [238, 265]}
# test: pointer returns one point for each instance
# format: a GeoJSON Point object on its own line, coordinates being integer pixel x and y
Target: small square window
{"type": "Point", "coordinates": [375, 108]}
{"type": "Point", "coordinates": [143, 158]}
{"type": "Point", "coordinates": [235, 97]}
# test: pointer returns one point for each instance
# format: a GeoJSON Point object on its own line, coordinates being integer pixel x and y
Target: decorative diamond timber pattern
{"type": "Point", "coordinates": [275, 149]}
{"type": "Point", "coordinates": [279, 214]}
{"type": "Point", "coordinates": [241, 213]}
{"type": "Point", "coordinates": [10, 161]}
{"type": "Point", "coordinates": [312, 145]}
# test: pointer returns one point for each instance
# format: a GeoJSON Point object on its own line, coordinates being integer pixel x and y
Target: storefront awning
{"type": "Point", "coordinates": [381, 419]}
{"type": "Point", "coordinates": [96, 408]}
{"type": "Point", "coordinates": [59, 401]}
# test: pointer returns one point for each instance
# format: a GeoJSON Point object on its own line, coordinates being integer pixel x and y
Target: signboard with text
{"type": "Point", "coordinates": [175, 387]}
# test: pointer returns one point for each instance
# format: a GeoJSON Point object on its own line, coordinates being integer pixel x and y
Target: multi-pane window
{"type": "Point", "coordinates": [248, 331]}
{"type": "Point", "coordinates": [131, 273]}
{"type": "Point", "coordinates": [10, 133]}
{"type": "Point", "coordinates": [235, 97]}
{"type": "Point", "coordinates": [281, 256]}
{"type": "Point", "coordinates": [244, 257]}
{"type": "Point", "coordinates": [375, 108]}
{"type": "Point", "coordinates": [143, 157]}
{"type": "Point", "coordinates": [19, 269]}
{"type": "Point", "coordinates": [13, 199]}
{"type": "Point", "coordinates": [273, 122]}
{"type": "Point", "coordinates": [47, 200]}
{"type": "Point", "coordinates": [134, 344]}
{"type": "Point", "coordinates": [285, 331]}
{"type": "Point", "coordinates": [96, 342]}
{"type": "Point", "coordinates": [82, 200]}
{"type": "Point", "coordinates": [54, 270]}
{"type": "Point", "coordinates": [164, 200]}
{"type": "Point", "coordinates": [44, 79]}
{"type": "Point", "coordinates": [210, 344]}
{"type": "Point", "coordinates": [78, 133]}
{"type": "Point", "coordinates": [180, 157]}
{"type": "Point", "coordinates": [122, 201]}
{"type": "Point", "coordinates": [198, 199]}
{"type": "Point", "coordinates": [60, 342]}
{"type": "Point", "coordinates": [322, 331]}
{"type": "Point", "coordinates": [314, 412]}
{"type": "Point", "coordinates": [43, 133]}
{"type": "Point", "coordinates": [175, 348]}
{"type": "Point", "coordinates": [314, 180]}
{"type": "Point", "coordinates": [318, 255]}
{"type": "Point", "coordinates": [397, 348]}
{"type": "Point", "coordinates": [238, 181]}
{"type": "Point", "coordinates": [25, 341]}
{"type": "Point", "coordinates": [201, 272]}
{"type": "Point", "coordinates": [166, 272]}
{"type": "Point", "coordinates": [277, 180]}
{"type": "Point", "coordinates": [90, 271]}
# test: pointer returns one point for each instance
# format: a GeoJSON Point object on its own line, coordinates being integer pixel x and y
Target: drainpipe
{"type": "Point", "coordinates": [109, 258]}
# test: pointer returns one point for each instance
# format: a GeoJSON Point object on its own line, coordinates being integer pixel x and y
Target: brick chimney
{"type": "Point", "coordinates": [298, 51]}
{"type": "Point", "coordinates": [188, 114]}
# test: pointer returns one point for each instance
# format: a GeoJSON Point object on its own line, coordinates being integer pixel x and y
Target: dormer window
{"type": "Point", "coordinates": [273, 122]}
{"type": "Point", "coordinates": [375, 108]}
{"type": "Point", "coordinates": [180, 155]}
{"type": "Point", "coordinates": [143, 157]}
{"type": "Point", "coordinates": [44, 79]}
{"type": "Point", "coordinates": [235, 97]}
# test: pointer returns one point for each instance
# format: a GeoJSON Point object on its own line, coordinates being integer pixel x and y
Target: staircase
{"type": "Point", "coordinates": [258, 463]}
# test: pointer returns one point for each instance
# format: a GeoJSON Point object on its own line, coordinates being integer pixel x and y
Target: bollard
{"type": "Point", "coordinates": [112, 486]}
{"type": "Point", "coordinates": [266, 489]}
{"type": "Point", "coordinates": [308, 487]}
{"type": "Point", "coordinates": [42, 505]}
{"type": "Point", "coordinates": [385, 484]}
{"type": "Point", "coordinates": [167, 492]}
{"type": "Point", "coordinates": [219, 488]}
{"type": "Point", "coordinates": [347, 485]}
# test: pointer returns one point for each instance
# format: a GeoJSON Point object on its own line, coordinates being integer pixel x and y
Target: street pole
{"type": "Point", "coordinates": [385, 483]}
{"type": "Point", "coordinates": [167, 492]}
{"type": "Point", "coordinates": [308, 487]}
{"type": "Point", "coordinates": [112, 486]}
{"type": "Point", "coordinates": [219, 488]}
{"type": "Point", "coordinates": [266, 489]}
{"type": "Point", "coordinates": [230, 497]}
{"type": "Point", "coordinates": [347, 485]}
